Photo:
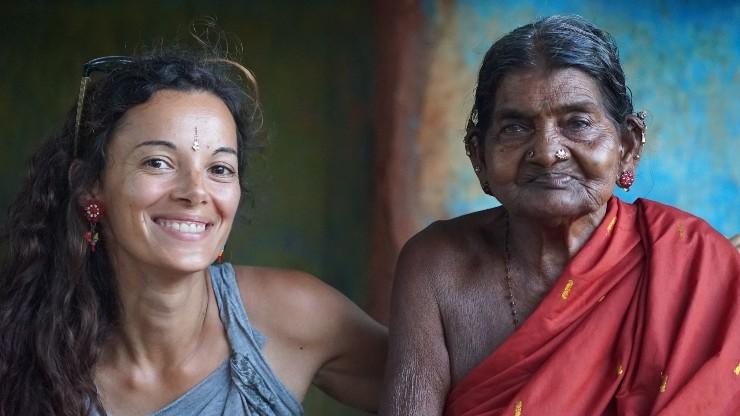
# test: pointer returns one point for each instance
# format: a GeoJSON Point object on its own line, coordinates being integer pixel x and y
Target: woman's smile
{"type": "Point", "coordinates": [189, 229]}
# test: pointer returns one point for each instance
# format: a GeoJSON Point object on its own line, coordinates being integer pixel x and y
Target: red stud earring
{"type": "Point", "coordinates": [626, 179]}
{"type": "Point", "coordinates": [93, 212]}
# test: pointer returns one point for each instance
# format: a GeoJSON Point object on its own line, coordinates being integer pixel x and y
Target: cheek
{"type": "Point", "coordinates": [600, 160]}
{"type": "Point", "coordinates": [126, 199]}
{"type": "Point", "coordinates": [502, 163]}
{"type": "Point", "coordinates": [227, 199]}
{"type": "Point", "coordinates": [142, 192]}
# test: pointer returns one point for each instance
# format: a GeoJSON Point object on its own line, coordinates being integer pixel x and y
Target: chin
{"type": "Point", "coordinates": [190, 263]}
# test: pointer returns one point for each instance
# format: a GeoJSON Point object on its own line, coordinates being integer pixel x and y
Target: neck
{"type": "Point", "coordinates": [545, 247]}
{"type": "Point", "coordinates": [163, 318]}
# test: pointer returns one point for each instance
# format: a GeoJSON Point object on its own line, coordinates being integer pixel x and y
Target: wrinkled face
{"type": "Point", "coordinates": [551, 150]}
{"type": "Point", "coordinates": [167, 205]}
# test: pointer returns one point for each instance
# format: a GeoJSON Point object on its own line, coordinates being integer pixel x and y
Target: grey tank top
{"type": "Point", "coordinates": [244, 384]}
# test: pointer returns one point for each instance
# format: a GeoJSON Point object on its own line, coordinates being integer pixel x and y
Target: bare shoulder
{"type": "Point", "coordinates": [447, 245]}
{"type": "Point", "coordinates": [287, 301]}
{"type": "Point", "coordinates": [315, 334]}
{"type": "Point", "coordinates": [456, 234]}
{"type": "Point", "coordinates": [300, 287]}
{"type": "Point", "coordinates": [418, 371]}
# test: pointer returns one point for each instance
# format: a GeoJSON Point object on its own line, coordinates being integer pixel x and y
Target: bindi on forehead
{"type": "Point", "coordinates": [196, 144]}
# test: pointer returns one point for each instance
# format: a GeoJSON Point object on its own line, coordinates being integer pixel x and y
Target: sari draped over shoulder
{"type": "Point", "coordinates": [644, 320]}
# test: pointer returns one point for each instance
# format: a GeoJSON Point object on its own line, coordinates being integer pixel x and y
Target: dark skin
{"type": "Point", "coordinates": [450, 308]}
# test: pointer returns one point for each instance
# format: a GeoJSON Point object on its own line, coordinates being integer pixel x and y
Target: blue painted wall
{"type": "Point", "coordinates": [682, 62]}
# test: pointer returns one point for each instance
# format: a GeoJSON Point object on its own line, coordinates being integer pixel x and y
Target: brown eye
{"type": "Point", "coordinates": [578, 123]}
{"type": "Point", "coordinates": [157, 164]}
{"type": "Point", "coordinates": [513, 129]}
{"type": "Point", "coordinates": [222, 170]}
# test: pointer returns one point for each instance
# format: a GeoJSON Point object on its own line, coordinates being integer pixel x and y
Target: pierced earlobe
{"type": "Point", "coordinates": [471, 135]}
{"type": "Point", "coordinates": [486, 187]}
{"type": "Point", "coordinates": [642, 115]}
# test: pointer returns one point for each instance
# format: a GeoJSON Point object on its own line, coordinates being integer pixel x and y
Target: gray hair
{"type": "Point", "coordinates": [554, 42]}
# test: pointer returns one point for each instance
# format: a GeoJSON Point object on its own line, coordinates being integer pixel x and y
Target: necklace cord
{"type": "Point", "coordinates": [507, 267]}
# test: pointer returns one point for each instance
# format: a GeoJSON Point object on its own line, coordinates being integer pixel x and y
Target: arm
{"type": "Point", "coordinates": [417, 375]}
{"type": "Point", "coordinates": [315, 335]}
{"type": "Point", "coordinates": [357, 347]}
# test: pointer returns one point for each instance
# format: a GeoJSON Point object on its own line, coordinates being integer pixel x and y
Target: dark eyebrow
{"type": "Point", "coordinates": [225, 150]}
{"type": "Point", "coordinates": [157, 143]}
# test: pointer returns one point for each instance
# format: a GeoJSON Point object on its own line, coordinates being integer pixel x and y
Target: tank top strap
{"type": "Point", "coordinates": [242, 335]}
{"type": "Point", "coordinates": [250, 373]}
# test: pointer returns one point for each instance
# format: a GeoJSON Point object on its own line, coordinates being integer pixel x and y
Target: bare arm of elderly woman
{"type": "Point", "coordinates": [449, 310]}
{"type": "Point", "coordinates": [418, 370]}
{"type": "Point", "coordinates": [315, 335]}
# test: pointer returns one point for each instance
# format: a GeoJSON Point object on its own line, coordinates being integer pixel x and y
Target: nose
{"type": "Point", "coordinates": [190, 188]}
{"type": "Point", "coordinates": [545, 146]}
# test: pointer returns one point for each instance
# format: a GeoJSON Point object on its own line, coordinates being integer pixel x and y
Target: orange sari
{"type": "Point", "coordinates": [644, 320]}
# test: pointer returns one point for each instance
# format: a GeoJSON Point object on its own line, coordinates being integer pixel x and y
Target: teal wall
{"type": "Point", "coordinates": [682, 62]}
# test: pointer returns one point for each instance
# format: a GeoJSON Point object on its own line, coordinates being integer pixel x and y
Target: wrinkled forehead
{"type": "Point", "coordinates": [546, 90]}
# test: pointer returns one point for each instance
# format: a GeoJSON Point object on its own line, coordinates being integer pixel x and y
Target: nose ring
{"type": "Point", "coordinates": [530, 154]}
{"type": "Point", "coordinates": [561, 154]}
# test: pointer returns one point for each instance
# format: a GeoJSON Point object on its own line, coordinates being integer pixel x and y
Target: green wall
{"type": "Point", "coordinates": [314, 64]}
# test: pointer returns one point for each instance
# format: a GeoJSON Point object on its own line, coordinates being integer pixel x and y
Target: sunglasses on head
{"type": "Point", "coordinates": [104, 64]}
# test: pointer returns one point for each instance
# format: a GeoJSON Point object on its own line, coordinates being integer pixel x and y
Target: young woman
{"type": "Point", "coordinates": [110, 300]}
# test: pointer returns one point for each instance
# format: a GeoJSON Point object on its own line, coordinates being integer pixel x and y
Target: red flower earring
{"type": "Point", "coordinates": [626, 179]}
{"type": "Point", "coordinates": [93, 212]}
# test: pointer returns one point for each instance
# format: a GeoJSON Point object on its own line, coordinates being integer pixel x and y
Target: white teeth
{"type": "Point", "coordinates": [183, 227]}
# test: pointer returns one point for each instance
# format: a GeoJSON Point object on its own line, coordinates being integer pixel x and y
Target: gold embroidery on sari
{"type": "Point", "coordinates": [566, 291]}
{"type": "Point", "coordinates": [620, 370]}
{"type": "Point", "coordinates": [611, 225]}
{"type": "Point", "coordinates": [518, 408]}
{"type": "Point", "coordinates": [663, 382]}
{"type": "Point", "coordinates": [737, 370]}
{"type": "Point", "coordinates": [681, 231]}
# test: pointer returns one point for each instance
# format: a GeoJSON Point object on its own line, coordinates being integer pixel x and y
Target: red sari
{"type": "Point", "coordinates": [644, 320]}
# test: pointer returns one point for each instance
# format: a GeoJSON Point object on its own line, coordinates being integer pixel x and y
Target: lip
{"type": "Point", "coordinates": [552, 180]}
{"type": "Point", "coordinates": [184, 227]}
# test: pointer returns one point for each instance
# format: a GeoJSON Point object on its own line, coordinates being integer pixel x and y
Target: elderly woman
{"type": "Point", "coordinates": [109, 301]}
{"type": "Point", "coordinates": [564, 300]}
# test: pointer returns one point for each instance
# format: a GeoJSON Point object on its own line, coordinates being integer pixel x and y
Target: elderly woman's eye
{"type": "Point", "coordinates": [578, 123]}
{"type": "Point", "coordinates": [513, 128]}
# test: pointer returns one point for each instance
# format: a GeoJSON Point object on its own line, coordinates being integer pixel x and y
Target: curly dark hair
{"type": "Point", "coordinates": [58, 301]}
{"type": "Point", "coordinates": [554, 42]}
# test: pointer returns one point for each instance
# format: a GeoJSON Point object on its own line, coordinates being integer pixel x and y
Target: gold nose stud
{"type": "Point", "coordinates": [561, 154]}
